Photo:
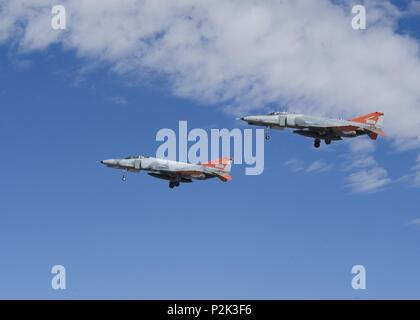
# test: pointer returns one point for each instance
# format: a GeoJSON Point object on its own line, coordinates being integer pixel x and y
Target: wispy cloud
{"type": "Point", "coordinates": [414, 8]}
{"type": "Point", "coordinates": [415, 222]}
{"type": "Point", "coordinates": [416, 175]}
{"type": "Point", "coordinates": [295, 165]}
{"type": "Point", "coordinates": [368, 180]}
{"type": "Point", "coordinates": [412, 179]}
{"type": "Point", "coordinates": [21, 64]}
{"type": "Point", "coordinates": [361, 146]}
{"type": "Point", "coordinates": [117, 100]}
{"type": "Point", "coordinates": [365, 175]}
{"type": "Point", "coordinates": [362, 162]}
{"type": "Point", "coordinates": [317, 166]}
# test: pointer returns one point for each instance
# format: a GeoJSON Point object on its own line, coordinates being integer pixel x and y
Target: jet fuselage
{"type": "Point", "coordinates": [320, 128]}
{"type": "Point", "coordinates": [173, 171]}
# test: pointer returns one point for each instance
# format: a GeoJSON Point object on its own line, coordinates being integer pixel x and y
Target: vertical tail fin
{"type": "Point", "coordinates": [375, 120]}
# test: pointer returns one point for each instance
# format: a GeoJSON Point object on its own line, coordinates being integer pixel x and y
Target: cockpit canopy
{"type": "Point", "coordinates": [135, 157]}
{"type": "Point", "coordinates": [276, 113]}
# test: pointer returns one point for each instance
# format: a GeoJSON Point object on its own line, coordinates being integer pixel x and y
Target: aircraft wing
{"type": "Point", "coordinates": [320, 131]}
{"type": "Point", "coordinates": [187, 175]}
{"type": "Point", "coordinates": [372, 132]}
{"type": "Point", "coordinates": [181, 175]}
{"type": "Point", "coordinates": [171, 176]}
{"type": "Point", "coordinates": [331, 128]}
{"type": "Point", "coordinates": [338, 131]}
{"type": "Point", "coordinates": [343, 126]}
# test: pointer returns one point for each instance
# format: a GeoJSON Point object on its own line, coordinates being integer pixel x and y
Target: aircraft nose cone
{"type": "Point", "coordinates": [262, 120]}
{"type": "Point", "coordinates": [110, 162]}
{"type": "Point", "coordinates": [251, 119]}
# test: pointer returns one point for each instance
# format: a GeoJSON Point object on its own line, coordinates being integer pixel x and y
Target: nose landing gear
{"type": "Point", "coordinates": [327, 141]}
{"type": "Point", "coordinates": [124, 177]}
{"type": "Point", "coordinates": [267, 134]}
{"type": "Point", "coordinates": [317, 143]}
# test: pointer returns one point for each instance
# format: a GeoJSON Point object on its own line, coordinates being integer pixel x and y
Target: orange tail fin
{"type": "Point", "coordinates": [372, 118]}
{"type": "Point", "coordinates": [375, 120]}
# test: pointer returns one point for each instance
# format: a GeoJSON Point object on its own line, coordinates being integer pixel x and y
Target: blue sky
{"type": "Point", "coordinates": [285, 234]}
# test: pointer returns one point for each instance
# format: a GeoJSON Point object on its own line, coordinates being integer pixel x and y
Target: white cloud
{"type": "Point", "coordinates": [244, 54]}
{"type": "Point", "coordinates": [361, 146]}
{"type": "Point", "coordinates": [413, 178]}
{"type": "Point", "coordinates": [365, 174]}
{"type": "Point", "coordinates": [368, 180]}
{"type": "Point", "coordinates": [318, 166]}
{"type": "Point", "coordinates": [362, 162]}
{"type": "Point", "coordinates": [416, 179]}
{"type": "Point", "coordinates": [415, 222]}
{"type": "Point", "coordinates": [295, 165]}
{"type": "Point", "coordinates": [417, 166]}
{"type": "Point", "coordinates": [414, 8]}
{"type": "Point", "coordinates": [117, 100]}
{"type": "Point", "coordinates": [22, 64]}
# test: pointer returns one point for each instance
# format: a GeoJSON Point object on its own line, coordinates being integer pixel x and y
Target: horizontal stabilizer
{"type": "Point", "coordinates": [375, 133]}
{"type": "Point", "coordinates": [225, 177]}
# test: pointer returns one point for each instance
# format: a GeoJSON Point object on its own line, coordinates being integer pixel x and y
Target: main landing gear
{"type": "Point", "coordinates": [173, 184]}
{"type": "Point", "coordinates": [124, 177]}
{"type": "Point", "coordinates": [317, 142]}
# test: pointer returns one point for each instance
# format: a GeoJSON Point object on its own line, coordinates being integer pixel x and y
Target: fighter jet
{"type": "Point", "coordinates": [173, 171]}
{"type": "Point", "coordinates": [321, 128]}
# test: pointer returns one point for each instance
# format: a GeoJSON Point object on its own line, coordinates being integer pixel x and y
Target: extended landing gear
{"type": "Point", "coordinates": [173, 184]}
{"type": "Point", "coordinates": [317, 143]}
{"type": "Point", "coordinates": [267, 134]}
{"type": "Point", "coordinates": [124, 177]}
{"type": "Point", "coordinates": [327, 141]}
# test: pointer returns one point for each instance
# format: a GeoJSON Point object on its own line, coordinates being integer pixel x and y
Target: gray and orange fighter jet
{"type": "Point", "coordinates": [173, 171]}
{"type": "Point", "coordinates": [320, 128]}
